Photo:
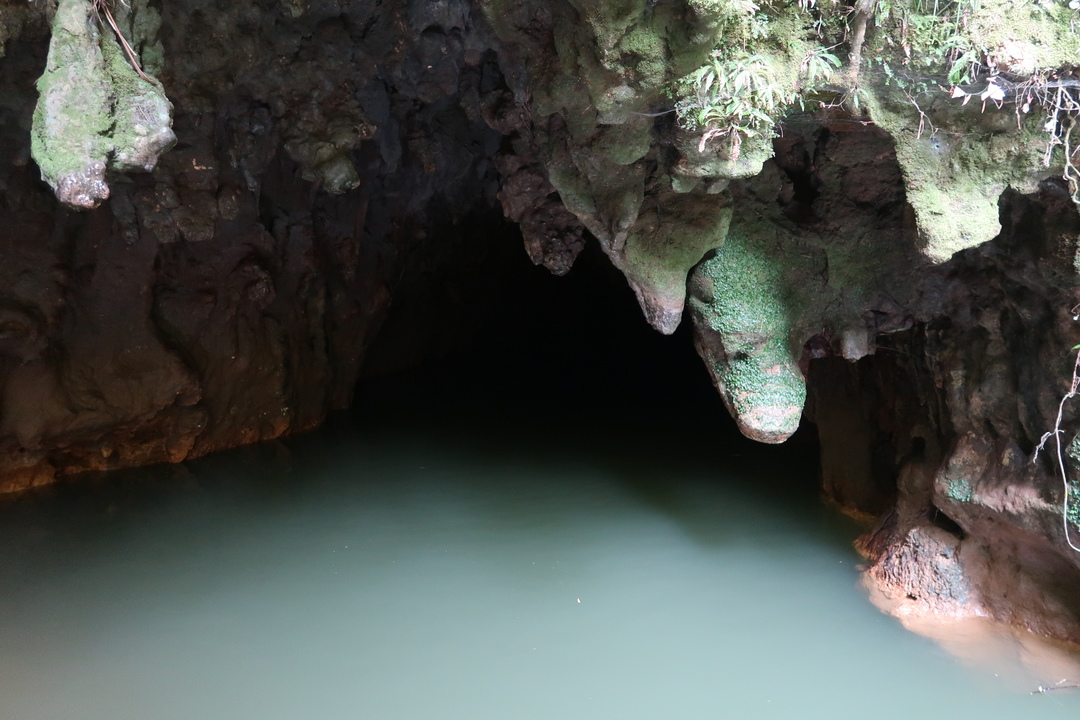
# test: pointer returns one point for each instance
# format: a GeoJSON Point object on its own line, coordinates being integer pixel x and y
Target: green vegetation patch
{"type": "Point", "coordinates": [743, 301]}
{"type": "Point", "coordinates": [963, 88]}
{"type": "Point", "coordinates": [955, 173]}
{"type": "Point", "coordinates": [673, 232]}
{"type": "Point", "coordinates": [94, 111]}
{"type": "Point", "coordinates": [70, 136]}
{"type": "Point", "coordinates": [754, 73]}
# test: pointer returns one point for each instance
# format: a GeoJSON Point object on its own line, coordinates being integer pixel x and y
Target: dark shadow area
{"type": "Point", "coordinates": [545, 373]}
{"type": "Point", "coordinates": [568, 364]}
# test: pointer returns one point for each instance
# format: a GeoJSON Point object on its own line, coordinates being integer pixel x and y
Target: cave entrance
{"type": "Point", "coordinates": [566, 361]}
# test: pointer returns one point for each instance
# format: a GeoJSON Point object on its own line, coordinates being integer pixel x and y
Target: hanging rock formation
{"type": "Point", "coordinates": [899, 270]}
{"type": "Point", "coordinates": [95, 111]}
{"type": "Point", "coordinates": [228, 295]}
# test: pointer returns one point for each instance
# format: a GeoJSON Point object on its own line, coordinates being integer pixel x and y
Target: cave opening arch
{"type": "Point", "coordinates": [502, 349]}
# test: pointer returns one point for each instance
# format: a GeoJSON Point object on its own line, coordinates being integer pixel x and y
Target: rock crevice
{"type": "Point", "coordinates": [908, 291]}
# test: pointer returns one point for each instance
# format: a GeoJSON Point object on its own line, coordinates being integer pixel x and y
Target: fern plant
{"type": "Point", "coordinates": [818, 67]}
{"type": "Point", "coordinates": [734, 97]}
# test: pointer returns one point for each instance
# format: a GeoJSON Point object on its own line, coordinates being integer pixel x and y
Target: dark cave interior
{"type": "Point", "coordinates": [566, 362]}
{"type": "Point", "coordinates": [535, 366]}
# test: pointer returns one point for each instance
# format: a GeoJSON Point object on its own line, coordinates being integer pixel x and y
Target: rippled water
{"type": "Point", "coordinates": [415, 576]}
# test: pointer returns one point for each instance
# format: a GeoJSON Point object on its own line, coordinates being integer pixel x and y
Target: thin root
{"type": "Point", "coordinates": [101, 6]}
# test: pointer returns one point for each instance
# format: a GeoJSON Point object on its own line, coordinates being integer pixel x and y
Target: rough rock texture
{"type": "Point", "coordinates": [952, 410]}
{"type": "Point", "coordinates": [960, 150]}
{"type": "Point", "coordinates": [956, 163]}
{"type": "Point", "coordinates": [96, 111]}
{"type": "Point", "coordinates": [589, 79]}
{"type": "Point", "coordinates": [820, 256]}
{"type": "Point", "coordinates": [228, 296]}
{"type": "Point", "coordinates": [331, 159]}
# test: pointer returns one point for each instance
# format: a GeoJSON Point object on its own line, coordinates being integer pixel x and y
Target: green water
{"type": "Point", "coordinates": [409, 576]}
{"type": "Point", "coordinates": [561, 524]}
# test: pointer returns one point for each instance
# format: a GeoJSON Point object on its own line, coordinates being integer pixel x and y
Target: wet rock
{"type": "Point", "coordinates": [331, 161]}
{"type": "Point", "coordinates": [960, 403]}
{"type": "Point", "coordinates": [96, 112]}
{"type": "Point", "coordinates": [229, 294]}
{"type": "Point", "coordinates": [921, 574]}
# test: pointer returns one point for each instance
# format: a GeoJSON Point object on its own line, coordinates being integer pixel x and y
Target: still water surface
{"type": "Point", "coordinates": [436, 576]}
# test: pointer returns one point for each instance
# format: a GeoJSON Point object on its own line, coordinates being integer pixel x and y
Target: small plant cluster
{"type": "Point", "coordinates": [741, 90]}
{"type": "Point", "coordinates": [733, 97]}
{"type": "Point", "coordinates": [919, 47]}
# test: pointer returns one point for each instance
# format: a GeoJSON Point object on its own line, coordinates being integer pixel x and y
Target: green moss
{"type": "Point", "coordinates": [72, 119]}
{"type": "Point", "coordinates": [672, 234]}
{"type": "Point", "coordinates": [1023, 37]}
{"type": "Point", "coordinates": [1073, 514]}
{"type": "Point", "coordinates": [768, 290]}
{"type": "Point", "coordinates": [717, 161]}
{"type": "Point", "coordinates": [747, 307]}
{"type": "Point", "coordinates": [648, 55]}
{"type": "Point", "coordinates": [959, 489]}
{"type": "Point", "coordinates": [747, 288]}
{"type": "Point", "coordinates": [753, 75]}
{"type": "Point", "coordinates": [142, 115]}
{"type": "Point", "coordinates": [94, 112]}
{"type": "Point", "coordinates": [1028, 36]}
{"type": "Point", "coordinates": [958, 165]}
{"type": "Point", "coordinates": [624, 144]}
{"type": "Point", "coordinates": [957, 158]}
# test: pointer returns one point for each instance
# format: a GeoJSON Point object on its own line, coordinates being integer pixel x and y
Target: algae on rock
{"type": "Point", "coordinates": [959, 156]}
{"type": "Point", "coordinates": [95, 113]}
{"type": "Point", "coordinates": [956, 169]}
{"type": "Point", "coordinates": [744, 333]}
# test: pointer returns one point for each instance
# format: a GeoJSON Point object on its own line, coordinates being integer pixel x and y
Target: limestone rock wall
{"type": "Point", "coordinates": [953, 411]}
{"type": "Point", "coordinates": [329, 157]}
{"type": "Point", "coordinates": [227, 295]}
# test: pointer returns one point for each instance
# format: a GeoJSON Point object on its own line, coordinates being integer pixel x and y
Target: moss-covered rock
{"type": "Point", "coordinates": [803, 278]}
{"type": "Point", "coordinates": [744, 335]}
{"type": "Point", "coordinates": [599, 79]}
{"type": "Point", "coordinates": [962, 90]}
{"type": "Point", "coordinates": [595, 93]}
{"type": "Point", "coordinates": [95, 112]}
{"type": "Point", "coordinates": [957, 160]}
{"type": "Point", "coordinates": [672, 234]}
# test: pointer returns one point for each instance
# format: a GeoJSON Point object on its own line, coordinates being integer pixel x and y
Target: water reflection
{"type": "Point", "coordinates": [407, 576]}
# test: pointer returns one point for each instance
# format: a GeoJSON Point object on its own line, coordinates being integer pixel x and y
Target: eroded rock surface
{"type": "Point", "coordinates": [228, 295]}
{"type": "Point", "coordinates": [951, 411]}
{"type": "Point", "coordinates": [819, 257]}
{"type": "Point", "coordinates": [96, 111]}
{"type": "Point", "coordinates": [594, 77]}
{"type": "Point", "coordinates": [331, 155]}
